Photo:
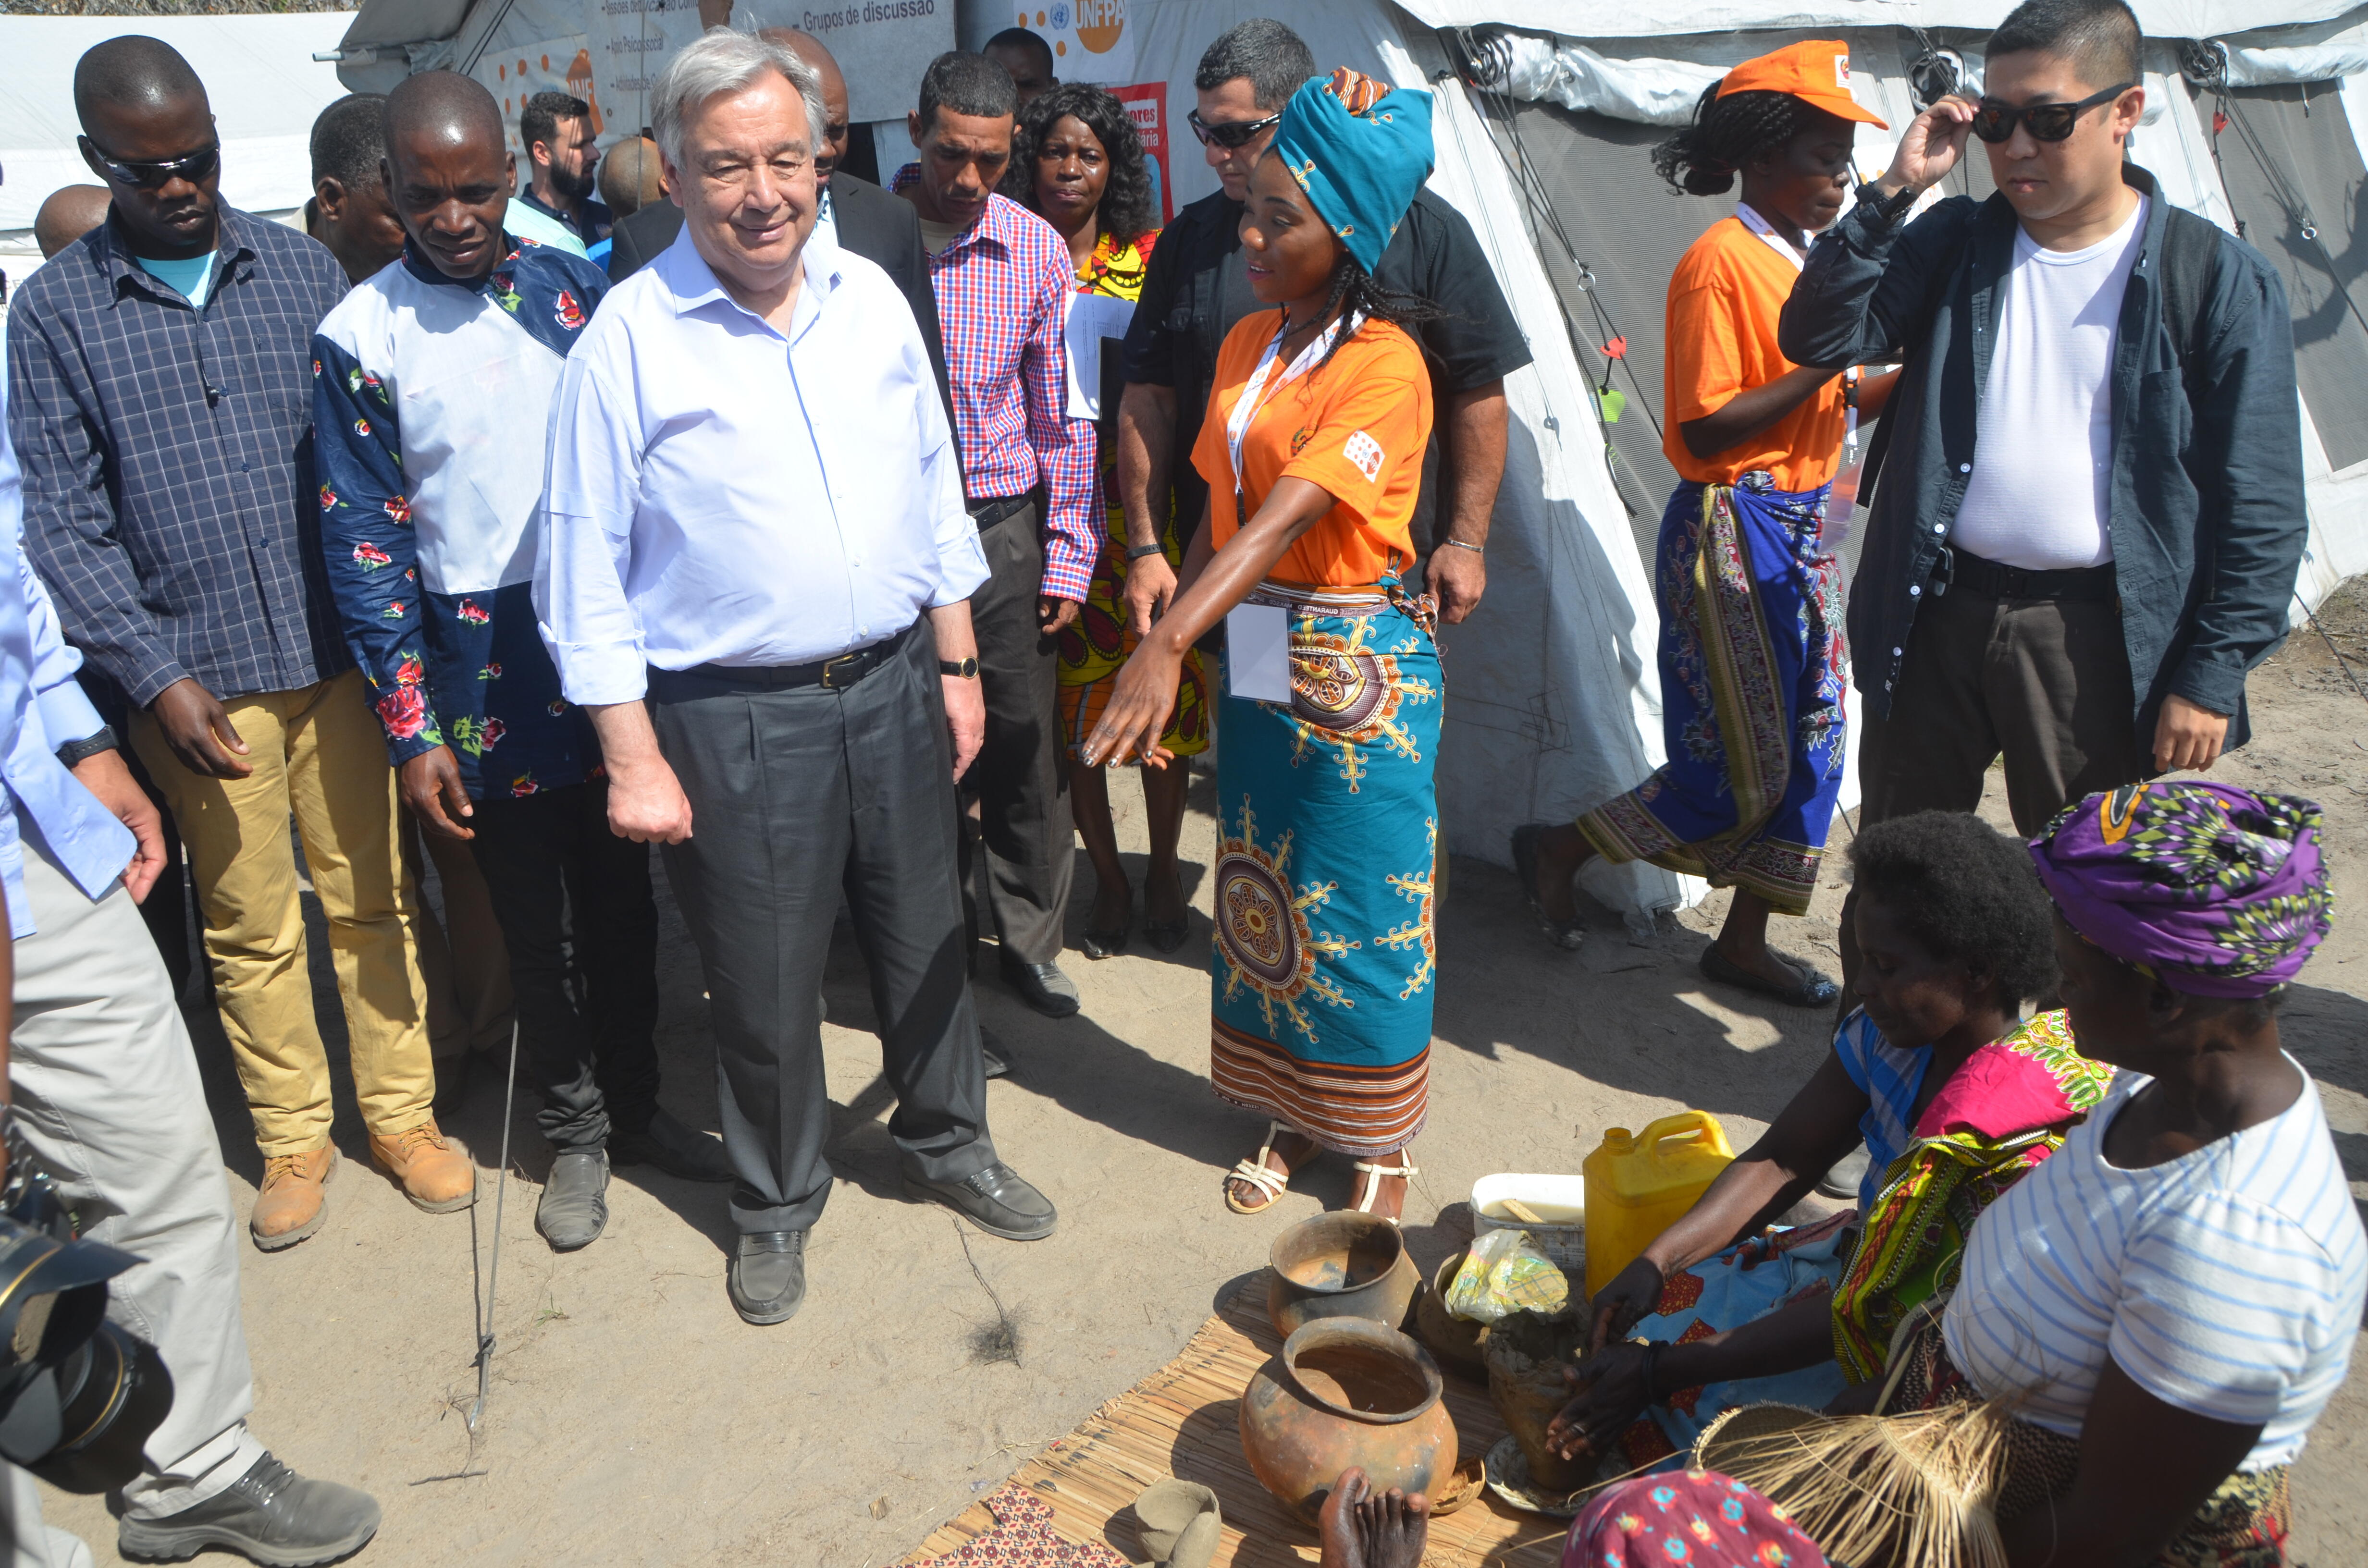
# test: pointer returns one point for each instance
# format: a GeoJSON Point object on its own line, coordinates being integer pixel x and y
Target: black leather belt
{"type": "Point", "coordinates": [838, 674]}
{"type": "Point", "coordinates": [1965, 571]}
{"type": "Point", "coordinates": [987, 514]}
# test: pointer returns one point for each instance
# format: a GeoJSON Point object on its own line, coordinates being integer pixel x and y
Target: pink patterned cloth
{"type": "Point", "coordinates": [1023, 1538]}
{"type": "Point", "coordinates": [1686, 1519]}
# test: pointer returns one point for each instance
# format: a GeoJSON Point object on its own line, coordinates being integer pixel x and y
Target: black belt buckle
{"type": "Point", "coordinates": [850, 664]}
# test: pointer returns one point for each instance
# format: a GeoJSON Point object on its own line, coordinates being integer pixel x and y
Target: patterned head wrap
{"type": "Point", "coordinates": [2215, 891]}
{"type": "Point", "coordinates": [1696, 1518]}
{"type": "Point", "coordinates": [1359, 149]}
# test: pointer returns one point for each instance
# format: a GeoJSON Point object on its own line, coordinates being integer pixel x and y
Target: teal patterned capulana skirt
{"type": "Point", "coordinates": [1323, 968]}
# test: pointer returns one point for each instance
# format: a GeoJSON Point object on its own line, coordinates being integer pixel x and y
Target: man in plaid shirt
{"type": "Point", "coordinates": [160, 397]}
{"type": "Point", "coordinates": [1003, 277]}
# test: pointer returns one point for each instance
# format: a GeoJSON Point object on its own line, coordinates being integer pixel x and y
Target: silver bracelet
{"type": "Point", "coordinates": [1474, 549]}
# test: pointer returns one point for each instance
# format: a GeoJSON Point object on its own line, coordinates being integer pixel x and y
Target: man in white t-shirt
{"type": "Point", "coordinates": [2090, 507]}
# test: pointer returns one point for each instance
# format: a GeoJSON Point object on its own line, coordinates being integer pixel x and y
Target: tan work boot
{"type": "Point", "coordinates": [436, 1172]}
{"type": "Point", "coordinates": [290, 1206]}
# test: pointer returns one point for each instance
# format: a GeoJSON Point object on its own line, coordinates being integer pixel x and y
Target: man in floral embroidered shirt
{"type": "Point", "coordinates": [430, 525]}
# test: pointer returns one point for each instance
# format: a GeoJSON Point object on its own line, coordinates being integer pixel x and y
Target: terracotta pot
{"type": "Point", "coordinates": [1454, 1340]}
{"type": "Point", "coordinates": [1525, 1356]}
{"type": "Point", "coordinates": [1341, 1265]}
{"type": "Point", "coordinates": [1346, 1392]}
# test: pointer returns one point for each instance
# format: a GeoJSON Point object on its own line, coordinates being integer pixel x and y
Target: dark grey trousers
{"type": "Point", "coordinates": [1030, 838]}
{"type": "Point", "coordinates": [796, 794]}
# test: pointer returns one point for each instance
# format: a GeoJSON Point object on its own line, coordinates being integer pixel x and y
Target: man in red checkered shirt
{"type": "Point", "coordinates": [1003, 278]}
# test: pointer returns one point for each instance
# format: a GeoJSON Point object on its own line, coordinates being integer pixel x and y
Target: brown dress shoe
{"type": "Point", "coordinates": [289, 1207]}
{"type": "Point", "coordinates": [435, 1172]}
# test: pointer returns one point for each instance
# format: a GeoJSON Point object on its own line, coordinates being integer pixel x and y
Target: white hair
{"type": "Point", "coordinates": [718, 63]}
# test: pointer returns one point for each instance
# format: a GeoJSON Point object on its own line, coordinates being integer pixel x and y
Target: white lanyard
{"type": "Point", "coordinates": [1783, 247]}
{"type": "Point", "coordinates": [1237, 425]}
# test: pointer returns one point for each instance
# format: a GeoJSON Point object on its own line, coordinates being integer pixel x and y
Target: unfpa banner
{"type": "Point", "coordinates": [1091, 40]}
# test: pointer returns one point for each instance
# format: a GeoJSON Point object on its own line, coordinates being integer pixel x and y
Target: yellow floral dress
{"type": "Point", "coordinates": [1096, 643]}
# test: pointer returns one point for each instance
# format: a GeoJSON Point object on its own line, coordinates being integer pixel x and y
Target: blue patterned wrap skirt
{"type": "Point", "coordinates": [1327, 831]}
{"type": "Point", "coordinates": [1753, 678]}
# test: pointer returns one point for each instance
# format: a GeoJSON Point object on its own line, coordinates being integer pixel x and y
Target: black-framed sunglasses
{"type": "Point", "coordinates": [1229, 134]}
{"type": "Point", "coordinates": [155, 175]}
{"type": "Point", "coordinates": [1994, 122]}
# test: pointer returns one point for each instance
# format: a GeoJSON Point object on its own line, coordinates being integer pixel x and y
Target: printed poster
{"type": "Point", "coordinates": [881, 45]}
{"type": "Point", "coordinates": [1146, 105]}
{"type": "Point", "coordinates": [1092, 40]}
{"type": "Point", "coordinates": [516, 74]}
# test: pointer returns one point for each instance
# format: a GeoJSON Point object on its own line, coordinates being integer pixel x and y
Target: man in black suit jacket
{"type": "Point", "coordinates": [870, 222]}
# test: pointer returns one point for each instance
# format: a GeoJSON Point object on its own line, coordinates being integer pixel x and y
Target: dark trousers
{"type": "Point", "coordinates": [561, 881]}
{"type": "Point", "coordinates": [797, 794]}
{"type": "Point", "coordinates": [2045, 681]}
{"type": "Point", "coordinates": [1026, 831]}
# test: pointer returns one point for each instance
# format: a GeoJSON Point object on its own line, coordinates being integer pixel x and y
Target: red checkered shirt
{"type": "Point", "coordinates": [1003, 298]}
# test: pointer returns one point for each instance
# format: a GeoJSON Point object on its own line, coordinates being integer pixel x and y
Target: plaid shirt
{"type": "Point", "coordinates": [1003, 300]}
{"type": "Point", "coordinates": [168, 457]}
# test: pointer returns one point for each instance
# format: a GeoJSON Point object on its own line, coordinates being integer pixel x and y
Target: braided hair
{"type": "Point", "coordinates": [1727, 135]}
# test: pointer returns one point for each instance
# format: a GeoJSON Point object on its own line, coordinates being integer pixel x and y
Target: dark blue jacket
{"type": "Point", "coordinates": [2207, 487]}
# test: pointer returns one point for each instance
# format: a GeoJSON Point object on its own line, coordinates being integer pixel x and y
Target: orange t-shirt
{"type": "Point", "coordinates": [1357, 426]}
{"type": "Point", "coordinates": [1724, 301]}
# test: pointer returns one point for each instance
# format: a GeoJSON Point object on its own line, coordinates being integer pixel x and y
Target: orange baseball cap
{"type": "Point", "coordinates": [1816, 71]}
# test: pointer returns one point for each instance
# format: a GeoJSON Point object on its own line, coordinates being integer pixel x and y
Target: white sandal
{"type": "Point", "coordinates": [1370, 1190]}
{"type": "Point", "coordinates": [1259, 1174]}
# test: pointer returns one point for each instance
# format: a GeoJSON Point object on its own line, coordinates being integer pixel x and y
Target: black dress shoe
{"type": "Point", "coordinates": [574, 1209]}
{"type": "Point", "coordinates": [673, 1148]}
{"type": "Point", "coordinates": [996, 1200]}
{"type": "Point", "coordinates": [766, 1278]}
{"type": "Point", "coordinates": [992, 1052]}
{"type": "Point", "coordinates": [1044, 987]}
{"type": "Point", "coordinates": [270, 1513]}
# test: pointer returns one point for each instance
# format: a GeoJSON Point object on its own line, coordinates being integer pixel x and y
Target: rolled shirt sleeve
{"type": "Point", "coordinates": [1065, 448]}
{"type": "Point", "coordinates": [591, 479]}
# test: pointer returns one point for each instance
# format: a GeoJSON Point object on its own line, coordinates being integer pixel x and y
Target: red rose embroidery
{"type": "Point", "coordinates": [403, 711]}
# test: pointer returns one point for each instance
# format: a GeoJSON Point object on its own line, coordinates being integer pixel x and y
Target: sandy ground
{"type": "Point", "coordinates": [633, 1419]}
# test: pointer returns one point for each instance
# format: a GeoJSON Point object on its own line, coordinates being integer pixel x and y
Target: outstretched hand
{"type": "Point", "coordinates": [1137, 712]}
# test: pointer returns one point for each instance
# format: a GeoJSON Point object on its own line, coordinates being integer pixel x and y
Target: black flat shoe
{"type": "Point", "coordinates": [1104, 944]}
{"type": "Point", "coordinates": [1565, 934]}
{"type": "Point", "coordinates": [1815, 992]}
{"type": "Point", "coordinates": [1044, 987]}
{"type": "Point", "coordinates": [996, 1200]}
{"type": "Point", "coordinates": [574, 1204]}
{"type": "Point", "coordinates": [994, 1054]}
{"type": "Point", "coordinates": [1167, 938]}
{"type": "Point", "coordinates": [767, 1277]}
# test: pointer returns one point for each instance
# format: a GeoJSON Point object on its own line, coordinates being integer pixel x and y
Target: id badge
{"type": "Point", "coordinates": [1257, 652]}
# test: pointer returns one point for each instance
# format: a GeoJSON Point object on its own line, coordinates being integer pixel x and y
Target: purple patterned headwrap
{"type": "Point", "coordinates": [2217, 891]}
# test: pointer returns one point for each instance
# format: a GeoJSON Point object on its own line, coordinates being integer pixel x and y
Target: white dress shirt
{"type": "Point", "coordinates": [42, 708]}
{"type": "Point", "coordinates": [717, 494]}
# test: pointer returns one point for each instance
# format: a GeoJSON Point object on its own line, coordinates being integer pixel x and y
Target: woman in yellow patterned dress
{"type": "Point", "coordinates": [1077, 164]}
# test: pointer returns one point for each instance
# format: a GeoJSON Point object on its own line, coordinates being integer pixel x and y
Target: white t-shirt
{"type": "Point", "coordinates": [2041, 496]}
{"type": "Point", "coordinates": [2228, 1282]}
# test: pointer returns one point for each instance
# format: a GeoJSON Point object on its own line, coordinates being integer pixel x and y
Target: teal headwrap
{"type": "Point", "coordinates": [1360, 150]}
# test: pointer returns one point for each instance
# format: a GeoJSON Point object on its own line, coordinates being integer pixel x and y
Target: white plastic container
{"type": "Point", "coordinates": [1560, 1201]}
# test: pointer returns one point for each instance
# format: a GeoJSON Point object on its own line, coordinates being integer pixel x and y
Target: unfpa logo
{"type": "Point", "coordinates": [1099, 22]}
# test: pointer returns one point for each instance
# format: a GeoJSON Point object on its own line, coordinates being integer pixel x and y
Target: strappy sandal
{"type": "Point", "coordinates": [1814, 991]}
{"type": "Point", "coordinates": [1259, 1174]}
{"type": "Point", "coordinates": [1565, 934]}
{"type": "Point", "coordinates": [1370, 1192]}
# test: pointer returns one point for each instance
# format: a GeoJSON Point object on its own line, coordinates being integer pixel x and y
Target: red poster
{"type": "Point", "coordinates": [1146, 105]}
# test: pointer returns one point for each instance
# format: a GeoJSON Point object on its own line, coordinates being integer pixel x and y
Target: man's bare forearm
{"type": "Point", "coordinates": [1476, 421]}
{"type": "Point", "coordinates": [1146, 447]}
{"type": "Point", "coordinates": [627, 739]}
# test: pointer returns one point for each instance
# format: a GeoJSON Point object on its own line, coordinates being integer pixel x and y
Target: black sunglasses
{"type": "Point", "coordinates": [1229, 134]}
{"type": "Point", "coordinates": [1994, 122]}
{"type": "Point", "coordinates": [191, 167]}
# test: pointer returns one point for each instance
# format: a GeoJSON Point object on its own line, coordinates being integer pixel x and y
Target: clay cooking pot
{"type": "Point", "coordinates": [1346, 1392]}
{"type": "Point", "coordinates": [1341, 1265]}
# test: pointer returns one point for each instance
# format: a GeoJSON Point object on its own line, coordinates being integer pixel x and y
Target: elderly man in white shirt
{"type": "Point", "coordinates": [757, 581]}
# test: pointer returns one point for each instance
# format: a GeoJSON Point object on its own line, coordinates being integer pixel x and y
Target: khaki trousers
{"type": "Point", "coordinates": [462, 958]}
{"type": "Point", "coordinates": [319, 755]}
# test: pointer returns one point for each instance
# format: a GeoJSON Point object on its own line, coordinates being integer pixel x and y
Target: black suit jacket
{"type": "Point", "coordinates": [875, 225]}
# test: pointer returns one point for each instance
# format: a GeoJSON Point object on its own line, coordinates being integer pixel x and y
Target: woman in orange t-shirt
{"type": "Point", "coordinates": [1313, 446]}
{"type": "Point", "coordinates": [1752, 668]}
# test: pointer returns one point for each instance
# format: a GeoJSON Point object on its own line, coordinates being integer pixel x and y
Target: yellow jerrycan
{"type": "Point", "coordinates": [1638, 1183]}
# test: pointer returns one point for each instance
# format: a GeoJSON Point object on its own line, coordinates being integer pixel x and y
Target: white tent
{"type": "Point", "coordinates": [259, 73]}
{"type": "Point", "coordinates": [1545, 107]}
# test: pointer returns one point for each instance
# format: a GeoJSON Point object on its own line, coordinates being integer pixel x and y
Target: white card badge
{"type": "Point", "coordinates": [1257, 652]}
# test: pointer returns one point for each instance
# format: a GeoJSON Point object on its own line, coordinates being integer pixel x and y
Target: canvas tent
{"type": "Point", "coordinates": [259, 71]}
{"type": "Point", "coordinates": [1545, 109]}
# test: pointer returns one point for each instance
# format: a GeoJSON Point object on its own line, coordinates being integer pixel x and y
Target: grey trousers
{"type": "Point", "coordinates": [797, 794]}
{"type": "Point", "coordinates": [25, 1541]}
{"type": "Point", "coordinates": [1026, 831]}
{"type": "Point", "coordinates": [107, 1094]}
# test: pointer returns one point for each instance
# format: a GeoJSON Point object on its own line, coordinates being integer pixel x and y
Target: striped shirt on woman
{"type": "Point", "coordinates": [2228, 1282]}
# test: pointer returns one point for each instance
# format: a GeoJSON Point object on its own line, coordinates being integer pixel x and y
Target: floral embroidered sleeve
{"type": "Point", "coordinates": [370, 547]}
